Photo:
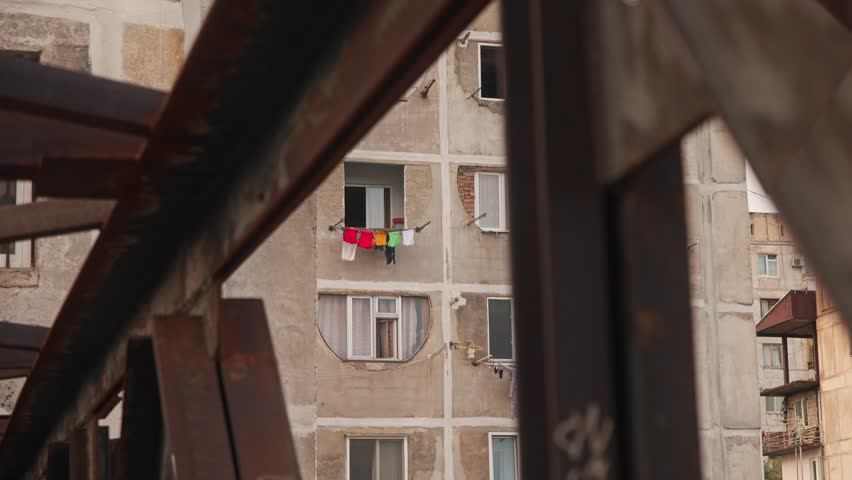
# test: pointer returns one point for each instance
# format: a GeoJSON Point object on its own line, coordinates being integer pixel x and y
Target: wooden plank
{"type": "Point", "coordinates": [76, 97]}
{"type": "Point", "coordinates": [53, 217]}
{"type": "Point", "coordinates": [193, 413]}
{"type": "Point", "coordinates": [253, 394]}
{"type": "Point", "coordinates": [22, 336]}
{"type": "Point", "coordinates": [567, 415]}
{"type": "Point", "coordinates": [654, 316]}
{"type": "Point", "coordinates": [141, 451]}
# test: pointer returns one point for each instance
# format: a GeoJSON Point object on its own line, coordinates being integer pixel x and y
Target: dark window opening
{"type": "Point", "coordinates": [368, 207]}
{"type": "Point", "coordinates": [373, 194]}
{"type": "Point", "coordinates": [491, 72]}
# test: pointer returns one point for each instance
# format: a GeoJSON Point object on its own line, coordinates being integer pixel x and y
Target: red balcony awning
{"type": "Point", "coordinates": [793, 316]}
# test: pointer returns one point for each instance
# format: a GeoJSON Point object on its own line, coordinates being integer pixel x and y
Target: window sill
{"type": "Point", "coordinates": [374, 360]}
{"type": "Point", "coordinates": [18, 277]}
{"type": "Point", "coordinates": [767, 276]}
{"type": "Point", "coordinates": [495, 231]}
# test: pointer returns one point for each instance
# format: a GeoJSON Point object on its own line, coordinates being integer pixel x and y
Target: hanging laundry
{"type": "Point", "coordinates": [350, 235]}
{"type": "Point", "coordinates": [390, 255]}
{"type": "Point", "coordinates": [513, 390]}
{"type": "Point", "coordinates": [380, 239]}
{"type": "Point", "coordinates": [366, 240]}
{"type": "Point", "coordinates": [393, 239]}
{"type": "Point", "coordinates": [348, 252]}
{"type": "Point", "coordinates": [408, 237]}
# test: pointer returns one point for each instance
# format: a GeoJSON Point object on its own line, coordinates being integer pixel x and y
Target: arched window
{"type": "Point", "coordinates": [373, 327]}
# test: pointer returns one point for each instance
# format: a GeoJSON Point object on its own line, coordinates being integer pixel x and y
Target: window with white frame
{"type": "Point", "coordinates": [373, 327]}
{"type": "Point", "coordinates": [373, 194]}
{"type": "Point", "coordinates": [376, 458]}
{"type": "Point", "coordinates": [490, 201]}
{"type": "Point", "coordinates": [501, 330]}
{"type": "Point", "coordinates": [766, 305]}
{"type": "Point", "coordinates": [774, 404]}
{"type": "Point", "coordinates": [491, 85]}
{"type": "Point", "coordinates": [815, 470]}
{"type": "Point", "coordinates": [15, 254]}
{"type": "Point", "coordinates": [503, 453]}
{"type": "Point", "coordinates": [767, 265]}
{"type": "Point", "coordinates": [772, 356]}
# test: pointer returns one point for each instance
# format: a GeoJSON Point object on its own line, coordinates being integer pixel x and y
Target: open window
{"type": "Point", "coordinates": [380, 328]}
{"type": "Point", "coordinates": [374, 194]}
{"type": "Point", "coordinates": [491, 85]}
{"type": "Point", "coordinates": [376, 458]}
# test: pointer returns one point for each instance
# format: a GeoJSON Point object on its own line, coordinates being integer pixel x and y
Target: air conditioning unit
{"type": "Point", "coordinates": [798, 263]}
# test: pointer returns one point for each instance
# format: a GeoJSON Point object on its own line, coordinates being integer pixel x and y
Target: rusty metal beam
{"type": "Point", "coordinates": [193, 413]}
{"type": "Point", "coordinates": [553, 175]}
{"type": "Point", "coordinates": [77, 97]}
{"type": "Point", "coordinates": [21, 336]}
{"type": "Point", "coordinates": [648, 240]}
{"type": "Point", "coordinates": [17, 359]}
{"type": "Point", "coordinates": [53, 217]}
{"type": "Point", "coordinates": [141, 449]}
{"type": "Point", "coordinates": [366, 59]}
{"type": "Point", "coordinates": [651, 89]}
{"type": "Point", "coordinates": [25, 140]}
{"type": "Point", "coordinates": [789, 110]}
{"type": "Point", "coordinates": [58, 461]}
{"type": "Point", "coordinates": [253, 394]}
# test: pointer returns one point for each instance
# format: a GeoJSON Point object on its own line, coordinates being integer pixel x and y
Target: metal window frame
{"type": "Point", "coordinates": [501, 201]}
{"type": "Point", "coordinates": [377, 438]}
{"type": "Point", "coordinates": [349, 330]}
{"type": "Point", "coordinates": [511, 323]}
{"type": "Point", "coordinates": [517, 449]}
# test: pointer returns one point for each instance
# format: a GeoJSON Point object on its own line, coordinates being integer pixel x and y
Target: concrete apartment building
{"type": "Point", "coordinates": [404, 370]}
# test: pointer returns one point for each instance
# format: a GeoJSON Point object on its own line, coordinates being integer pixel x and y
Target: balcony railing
{"type": "Point", "coordinates": [779, 443]}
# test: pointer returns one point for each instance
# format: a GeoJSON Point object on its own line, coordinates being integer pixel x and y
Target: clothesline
{"type": "Point", "coordinates": [338, 226]}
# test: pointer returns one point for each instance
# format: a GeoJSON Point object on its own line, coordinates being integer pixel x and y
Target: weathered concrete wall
{"type": "Point", "coordinates": [356, 389]}
{"type": "Point", "coordinates": [417, 263]}
{"type": "Point", "coordinates": [477, 390]}
{"type": "Point", "coordinates": [720, 278]}
{"type": "Point", "coordinates": [425, 450]}
{"type": "Point", "coordinates": [412, 124]}
{"type": "Point", "coordinates": [835, 363]}
{"type": "Point", "coordinates": [478, 256]}
{"type": "Point", "coordinates": [281, 272]}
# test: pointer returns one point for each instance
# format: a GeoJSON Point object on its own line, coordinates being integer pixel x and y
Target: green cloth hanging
{"type": "Point", "coordinates": [393, 239]}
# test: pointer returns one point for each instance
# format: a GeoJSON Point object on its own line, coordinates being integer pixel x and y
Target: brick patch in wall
{"type": "Point", "coordinates": [465, 182]}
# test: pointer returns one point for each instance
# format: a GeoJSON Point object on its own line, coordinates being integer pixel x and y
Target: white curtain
{"type": "Point", "coordinates": [415, 323]}
{"type": "Point", "coordinates": [331, 317]}
{"type": "Point", "coordinates": [390, 460]}
{"type": "Point", "coordinates": [362, 332]}
{"type": "Point", "coordinates": [375, 207]}
{"type": "Point", "coordinates": [489, 200]}
{"type": "Point", "coordinates": [503, 456]}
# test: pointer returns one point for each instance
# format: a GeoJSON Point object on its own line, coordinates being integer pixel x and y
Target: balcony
{"type": "Point", "coordinates": [781, 443]}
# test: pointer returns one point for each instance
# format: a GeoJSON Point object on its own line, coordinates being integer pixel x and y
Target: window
{"type": "Point", "coordinates": [766, 304]}
{"type": "Point", "coordinates": [800, 410]}
{"type": "Point", "coordinates": [814, 469]}
{"type": "Point", "coordinates": [772, 356]}
{"type": "Point", "coordinates": [503, 450]}
{"type": "Point", "coordinates": [490, 194]}
{"type": "Point", "coordinates": [381, 458]}
{"type": "Point", "coordinates": [15, 254]}
{"type": "Point", "coordinates": [373, 194]}
{"type": "Point", "coordinates": [366, 327]}
{"type": "Point", "coordinates": [767, 265]}
{"type": "Point", "coordinates": [500, 329]}
{"type": "Point", "coordinates": [491, 72]}
{"type": "Point", "coordinates": [774, 404]}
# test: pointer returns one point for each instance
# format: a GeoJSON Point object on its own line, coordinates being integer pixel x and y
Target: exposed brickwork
{"type": "Point", "coordinates": [466, 185]}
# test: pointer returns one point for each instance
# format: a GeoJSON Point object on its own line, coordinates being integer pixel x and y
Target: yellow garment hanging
{"type": "Point", "coordinates": [380, 239]}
